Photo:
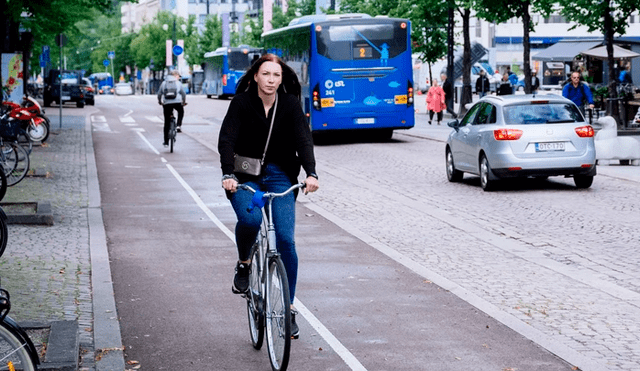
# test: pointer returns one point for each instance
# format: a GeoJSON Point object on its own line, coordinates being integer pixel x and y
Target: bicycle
{"type": "Point", "coordinates": [268, 302]}
{"type": "Point", "coordinates": [14, 160]}
{"type": "Point", "coordinates": [172, 132]}
{"type": "Point", "coordinates": [17, 351]}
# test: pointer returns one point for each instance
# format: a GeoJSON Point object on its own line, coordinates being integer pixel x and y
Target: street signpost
{"type": "Point", "coordinates": [111, 56]}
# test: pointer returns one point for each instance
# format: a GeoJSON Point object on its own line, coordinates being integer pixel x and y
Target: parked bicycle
{"type": "Point", "coordinates": [268, 306]}
{"type": "Point", "coordinates": [17, 351]}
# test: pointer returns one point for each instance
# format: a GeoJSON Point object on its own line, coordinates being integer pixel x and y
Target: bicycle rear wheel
{"type": "Point", "coordinates": [17, 160]}
{"type": "Point", "coordinates": [14, 354]}
{"type": "Point", "coordinates": [255, 300]}
{"type": "Point", "coordinates": [4, 231]}
{"type": "Point", "coordinates": [278, 315]}
{"type": "Point", "coordinates": [172, 133]}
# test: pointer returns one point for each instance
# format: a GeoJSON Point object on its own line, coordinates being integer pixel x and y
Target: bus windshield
{"type": "Point", "coordinates": [362, 41]}
{"type": "Point", "coordinates": [239, 61]}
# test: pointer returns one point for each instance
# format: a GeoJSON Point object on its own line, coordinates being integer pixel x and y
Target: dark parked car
{"type": "Point", "coordinates": [88, 92]}
{"type": "Point", "coordinates": [72, 90]}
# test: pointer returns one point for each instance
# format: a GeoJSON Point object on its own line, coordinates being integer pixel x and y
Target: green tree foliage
{"type": "Point", "coordinates": [211, 38]}
{"type": "Point", "coordinates": [252, 31]}
{"type": "Point", "coordinates": [609, 17]}
{"type": "Point", "coordinates": [500, 11]}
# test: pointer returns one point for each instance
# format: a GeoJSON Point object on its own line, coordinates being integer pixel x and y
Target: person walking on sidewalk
{"type": "Point", "coordinates": [448, 94]}
{"type": "Point", "coordinates": [268, 92]}
{"type": "Point", "coordinates": [482, 84]}
{"type": "Point", "coordinates": [435, 101]}
{"type": "Point", "coordinates": [171, 96]}
{"type": "Point", "coordinates": [505, 86]}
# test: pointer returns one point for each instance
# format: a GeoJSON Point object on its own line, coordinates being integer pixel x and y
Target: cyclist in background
{"type": "Point", "coordinates": [171, 96]}
{"type": "Point", "coordinates": [244, 132]}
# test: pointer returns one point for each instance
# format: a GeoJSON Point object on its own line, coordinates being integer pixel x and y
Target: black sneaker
{"type": "Point", "coordinates": [241, 279]}
{"type": "Point", "coordinates": [295, 330]}
{"type": "Point", "coordinates": [165, 144]}
{"type": "Point", "coordinates": [178, 129]}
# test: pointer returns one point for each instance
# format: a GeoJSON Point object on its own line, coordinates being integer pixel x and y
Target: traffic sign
{"type": "Point", "coordinates": [111, 55]}
{"type": "Point", "coordinates": [45, 54]}
{"type": "Point", "coordinates": [105, 62]}
{"type": "Point", "coordinates": [177, 50]}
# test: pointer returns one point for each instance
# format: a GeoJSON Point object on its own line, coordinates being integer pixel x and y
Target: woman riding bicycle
{"type": "Point", "coordinates": [244, 132]}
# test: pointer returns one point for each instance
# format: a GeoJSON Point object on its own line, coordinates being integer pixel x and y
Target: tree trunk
{"type": "Point", "coordinates": [612, 106]}
{"type": "Point", "coordinates": [526, 25]}
{"type": "Point", "coordinates": [466, 64]}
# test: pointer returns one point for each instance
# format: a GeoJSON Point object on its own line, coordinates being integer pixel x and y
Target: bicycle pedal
{"type": "Point", "coordinates": [295, 336]}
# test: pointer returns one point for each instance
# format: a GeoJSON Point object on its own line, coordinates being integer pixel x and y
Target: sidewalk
{"type": "Point", "coordinates": [59, 274]}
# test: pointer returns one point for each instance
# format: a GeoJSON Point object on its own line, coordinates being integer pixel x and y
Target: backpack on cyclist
{"type": "Point", "coordinates": [171, 89]}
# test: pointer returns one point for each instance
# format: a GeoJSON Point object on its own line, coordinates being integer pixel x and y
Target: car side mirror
{"type": "Point", "coordinates": [454, 124]}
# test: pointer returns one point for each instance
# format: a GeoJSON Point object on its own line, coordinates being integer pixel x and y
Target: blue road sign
{"type": "Point", "coordinates": [177, 50]}
{"type": "Point", "coordinates": [45, 54]}
{"type": "Point", "coordinates": [111, 55]}
{"type": "Point", "coordinates": [105, 62]}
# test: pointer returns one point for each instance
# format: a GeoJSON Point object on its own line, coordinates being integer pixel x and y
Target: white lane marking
{"type": "Point", "coordinates": [128, 113]}
{"type": "Point", "coordinates": [100, 126]}
{"type": "Point", "coordinates": [126, 119]}
{"type": "Point", "coordinates": [201, 204]}
{"type": "Point", "coordinates": [154, 119]}
{"type": "Point", "coordinates": [149, 144]}
{"type": "Point", "coordinates": [333, 342]}
{"type": "Point", "coordinates": [98, 119]}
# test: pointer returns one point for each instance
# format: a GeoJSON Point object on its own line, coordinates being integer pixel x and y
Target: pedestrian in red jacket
{"type": "Point", "coordinates": [435, 101]}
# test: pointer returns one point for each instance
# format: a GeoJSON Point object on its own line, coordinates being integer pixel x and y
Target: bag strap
{"type": "Point", "coordinates": [273, 117]}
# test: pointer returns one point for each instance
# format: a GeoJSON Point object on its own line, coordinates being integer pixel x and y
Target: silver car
{"type": "Point", "coordinates": [513, 136]}
{"type": "Point", "coordinates": [123, 88]}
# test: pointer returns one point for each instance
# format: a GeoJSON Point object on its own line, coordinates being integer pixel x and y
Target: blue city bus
{"type": "Point", "coordinates": [101, 79]}
{"type": "Point", "coordinates": [224, 67]}
{"type": "Point", "coordinates": [355, 70]}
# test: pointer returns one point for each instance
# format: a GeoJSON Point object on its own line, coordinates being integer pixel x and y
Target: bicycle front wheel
{"type": "Point", "coordinates": [14, 154]}
{"type": "Point", "coordinates": [278, 315]}
{"type": "Point", "coordinates": [255, 299]}
{"type": "Point", "coordinates": [14, 354]}
{"type": "Point", "coordinates": [4, 231]}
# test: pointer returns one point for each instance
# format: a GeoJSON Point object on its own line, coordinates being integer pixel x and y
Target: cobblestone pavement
{"type": "Point", "coordinates": [47, 269]}
{"type": "Point", "coordinates": [560, 260]}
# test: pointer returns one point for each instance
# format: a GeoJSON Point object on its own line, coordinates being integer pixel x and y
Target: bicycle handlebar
{"type": "Point", "coordinates": [259, 197]}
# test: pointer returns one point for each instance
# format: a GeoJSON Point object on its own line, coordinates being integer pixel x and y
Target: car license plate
{"type": "Point", "coordinates": [549, 146]}
{"type": "Point", "coordinates": [369, 120]}
{"type": "Point", "coordinates": [66, 97]}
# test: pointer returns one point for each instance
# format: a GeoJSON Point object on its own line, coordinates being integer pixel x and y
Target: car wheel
{"type": "Point", "coordinates": [486, 182]}
{"type": "Point", "coordinates": [80, 104]}
{"type": "Point", "coordinates": [452, 174]}
{"type": "Point", "coordinates": [583, 181]}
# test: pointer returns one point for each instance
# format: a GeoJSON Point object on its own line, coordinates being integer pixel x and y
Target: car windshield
{"type": "Point", "coordinates": [548, 113]}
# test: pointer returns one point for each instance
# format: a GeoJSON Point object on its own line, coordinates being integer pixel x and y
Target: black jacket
{"type": "Point", "coordinates": [482, 84]}
{"type": "Point", "coordinates": [448, 90]}
{"type": "Point", "coordinates": [245, 129]}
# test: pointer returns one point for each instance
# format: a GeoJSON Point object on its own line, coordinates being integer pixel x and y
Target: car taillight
{"type": "Point", "coordinates": [224, 80]}
{"type": "Point", "coordinates": [316, 98]}
{"type": "Point", "coordinates": [507, 134]}
{"type": "Point", "coordinates": [409, 94]}
{"type": "Point", "coordinates": [585, 131]}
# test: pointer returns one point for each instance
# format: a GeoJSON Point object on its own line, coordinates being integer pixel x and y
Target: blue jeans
{"type": "Point", "coordinates": [284, 219]}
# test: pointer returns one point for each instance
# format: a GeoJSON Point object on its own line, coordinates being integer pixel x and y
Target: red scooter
{"type": "Point", "coordinates": [31, 117]}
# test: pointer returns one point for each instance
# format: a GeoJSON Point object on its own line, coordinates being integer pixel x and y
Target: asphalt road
{"type": "Point", "coordinates": [365, 304]}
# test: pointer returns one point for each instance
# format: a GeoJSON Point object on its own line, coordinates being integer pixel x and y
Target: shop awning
{"type": "Point", "coordinates": [618, 52]}
{"type": "Point", "coordinates": [565, 51]}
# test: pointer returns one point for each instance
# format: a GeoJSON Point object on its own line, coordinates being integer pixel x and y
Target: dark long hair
{"type": "Point", "coordinates": [290, 83]}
